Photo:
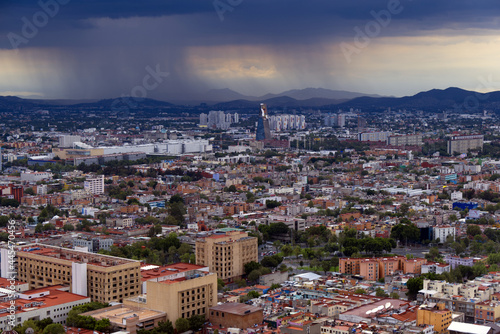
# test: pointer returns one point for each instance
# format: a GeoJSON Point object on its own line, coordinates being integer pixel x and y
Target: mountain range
{"type": "Point", "coordinates": [226, 99]}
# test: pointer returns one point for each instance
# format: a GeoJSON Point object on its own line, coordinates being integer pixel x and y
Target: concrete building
{"type": "Point", "coordinates": [436, 268]}
{"type": "Point", "coordinates": [67, 140]}
{"type": "Point", "coordinates": [33, 177]}
{"type": "Point", "coordinates": [53, 302]}
{"type": "Point", "coordinates": [405, 140]}
{"type": "Point", "coordinates": [374, 136]}
{"type": "Point", "coordinates": [462, 144]}
{"type": "Point", "coordinates": [437, 316]}
{"type": "Point", "coordinates": [287, 122]}
{"type": "Point", "coordinates": [94, 185]}
{"type": "Point", "coordinates": [128, 318]}
{"type": "Point", "coordinates": [93, 245]}
{"type": "Point", "coordinates": [456, 196]}
{"type": "Point", "coordinates": [103, 278]}
{"type": "Point", "coordinates": [487, 312]}
{"type": "Point", "coordinates": [185, 293]}
{"type": "Point", "coordinates": [226, 254]}
{"type": "Point", "coordinates": [235, 315]}
{"type": "Point", "coordinates": [455, 261]}
{"type": "Point", "coordinates": [442, 232]}
{"type": "Point", "coordinates": [373, 269]}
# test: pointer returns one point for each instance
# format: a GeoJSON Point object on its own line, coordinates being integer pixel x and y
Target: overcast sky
{"type": "Point", "coordinates": [101, 48]}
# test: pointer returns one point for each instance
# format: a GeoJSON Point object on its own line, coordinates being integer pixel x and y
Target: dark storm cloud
{"type": "Point", "coordinates": [101, 47]}
{"type": "Point", "coordinates": [262, 21]}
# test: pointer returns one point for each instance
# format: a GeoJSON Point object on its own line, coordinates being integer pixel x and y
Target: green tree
{"type": "Point", "coordinates": [287, 250]}
{"type": "Point", "coordinates": [166, 327]}
{"type": "Point", "coordinates": [405, 232]}
{"type": "Point", "coordinates": [473, 230]}
{"type": "Point", "coordinates": [54, 329]}
{"type": "Point", "coordinates": [251, 266]}
{"type": "Point", "coordinates": [103, 325]}
{"type": "Point", "coordinates": [394, 295]}
{"type": "Point", "coordinates": [253, 294]}
{"type": "Point", "coordinates": [21, 329]}
{"type": "Point", "coordinates": [414, 285]}
{"type": "Point", "coordinates": [68, 227]}
{"type": "Point", "coordinates": [379, 292]}
{"type": "Point", "coordinates": [196, 322]}
{"type": "Point", "coordinates": [182, 325]}
{"type": "Point", "coordinates": [220, 284]}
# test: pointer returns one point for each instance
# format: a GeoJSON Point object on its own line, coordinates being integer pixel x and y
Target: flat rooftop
{"type": "Point", "coordinates": [150, 272]}
{"type": "Point", "coordinates": [33, 299]}
{"type": "Point", "coordinates": [236, 308]}
{"type": "Point", "coordinates": [74, 255]}
{"type": "Point", "coordinates": [116, 315]}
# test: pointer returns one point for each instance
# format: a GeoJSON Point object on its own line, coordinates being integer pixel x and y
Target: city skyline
{"type": "Point", "coordinates": [106, 49]}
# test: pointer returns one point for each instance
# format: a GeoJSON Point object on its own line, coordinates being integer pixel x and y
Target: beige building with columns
{"type": "Point", "coordinates": [226, 254]}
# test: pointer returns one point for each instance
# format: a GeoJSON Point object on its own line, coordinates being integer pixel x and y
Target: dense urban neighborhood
{"type": "Point", "coordinates": [252, 222]}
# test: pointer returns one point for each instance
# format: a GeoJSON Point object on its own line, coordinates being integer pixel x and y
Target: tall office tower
{"type": "Point", "coordinates": [203, 119]}
{"type": "Point", "coordinates": [263, 130]}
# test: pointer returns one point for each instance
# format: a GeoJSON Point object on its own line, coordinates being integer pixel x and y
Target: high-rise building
{"type": "Point", "coordinates": [287, 122]}
{"type": "Point", "coordinates": [263, 130]}
{"type": "Point", "coordinates": [203, 119]}
{"type": "Point", "coordinates": [217, 119]}
{"type": "Point", "coordinates": [226, 254]}
{"type": "Point", "coordinates": [103, 278]}
{"type": "Point", "coordinates": [67, 141]}
{"type": "Point", "coordinates": [94, 185]}
{"type": "Point", "coordinates": [335, 120]}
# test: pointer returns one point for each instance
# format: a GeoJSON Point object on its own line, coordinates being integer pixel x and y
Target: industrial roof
{"type": "Point", "coordinates": [468, 328]}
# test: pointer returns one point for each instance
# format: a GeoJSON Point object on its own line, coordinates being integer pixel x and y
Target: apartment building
{"type": "Point", "coordinates": [94, 185]}
{"type": "Point", "coordinates": [226, 254]}
{"type": "Point", "coordinates": [442, 232]}
{"type": "Point", "coordinates": [93, 245]}
{"type": "Point", "coordinates": [373, 269]}
{"type": "Point", "coordinates": [405, 140]}
{"type": "Point", "coordinates": [487, 312]}
{"type": "Point", "coordinates": [462, 144]}
{"type": "Point", "coordinates": [193, 292]}
{"type": "Point", "coordinates": [437, 316]}
{"type": "Point", "coordinates": [102, 278]}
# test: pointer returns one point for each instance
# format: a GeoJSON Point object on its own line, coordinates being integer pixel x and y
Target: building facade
{"type": "Point", "coordinates": [462, 144]}
{"type": "Point", "coordinates": [102, 278]}
{"type": "Point", "coordinates": [179, 298]}
{"type": "Point", "coordinates": [94, 185]}
{"type": "Point", "coordinates": [405, 140]}
{"type": "Point", "coordinates": [226, 254]}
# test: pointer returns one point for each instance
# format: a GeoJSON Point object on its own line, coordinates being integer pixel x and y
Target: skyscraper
{"type": "Point", "coordinates": [263, 131]}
